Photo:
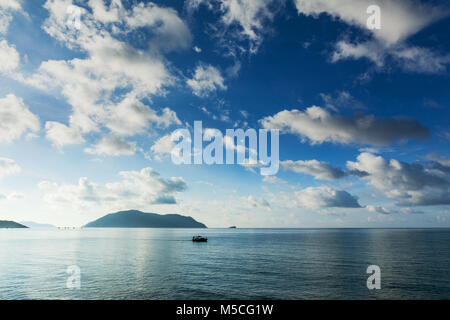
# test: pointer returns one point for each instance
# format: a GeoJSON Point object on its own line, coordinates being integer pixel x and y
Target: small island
{"type": "Point", "coordinates": [139, 219]}
{"type": "Point", "coordinates": [10, 224]}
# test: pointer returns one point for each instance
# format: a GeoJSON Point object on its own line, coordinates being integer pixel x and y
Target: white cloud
{"type": "Point", "coordinates": [10, 5]}
{"type": "Point", "coordinates": [256, 202]}
{"type": "Point", "coordinates": [325, 197]}
{"type": "Point", "coordinates": [318, 125]}
{"type": "Point", "coordinates": [112, 66]}
{"type": "Point", "coordinates": [245, 20]}
{"type": "Point", "coordinates": [7, 8]}
{"type": "Point", "coordinates": [15, 196]}
{"type": "Point", "coordinates": [113, 146]}
{"type": "Point", "coordinates": [399, 20]}
{"type": "Point", "coordinates": [12, 196]}
{"type": "Point", "coordinates": [168, 30]}
{"type": "Point", "coordinates": [370, 50]}
{"type": "Point", "coordinates": [60, 134]}
{"type": "Point", "coordinates": [137, 189]}
{"type": "Point", "coordinates": [385, 211]}
{"type": "Point", "coordinates": [8, 167]}
{"type": "Point", "coordinates": [250, 16]}
{"type": "Point", "coordinates": [9, 58]}
{"type": "Point", "coordinates": [131, 116]}
{"type": "Point", "coordinates": [409, 184]}
{"type": "Point", "coordinates": [5, 20]}
{"type": "Point", "coordinates": [318, 169]}
{"type": "Point", "coordinates": [163, 146]}
{"type": "Point", "coordinates": [341, 100]}
{"type": "Point", "coordinates": [206, 79]}
{"type": "Point", "coordinates": [47, 185]}
{"type": "Point", "coordinates": [15, 118]}
{"type": "Point", "coordinates": [410, 59]}
{"type": "Point", "coordinates": [106, 14]}
{"type": "Point", "coordinates": [410, 211]}
{"type": "Point", "coordinates": [444, 161]}
{"type": "Point", "coordinates": [378, 209]}
{"type": "Point", "coordinates": [416, 59]}
{"type": "Point", "coordinates": [274, 180]}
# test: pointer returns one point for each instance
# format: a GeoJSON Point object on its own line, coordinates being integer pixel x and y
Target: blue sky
{"type": "Point", "coordinates": [86, 113]}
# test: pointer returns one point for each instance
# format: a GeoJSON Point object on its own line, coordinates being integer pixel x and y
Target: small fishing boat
{"type": "Point", "coordinates": [199, 239]}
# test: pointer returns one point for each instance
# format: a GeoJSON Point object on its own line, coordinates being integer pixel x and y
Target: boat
{"type": "Point", "coordinates": [199, 239]}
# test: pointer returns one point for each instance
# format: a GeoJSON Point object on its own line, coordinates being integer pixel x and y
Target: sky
{"type": "Point", "coordinates": [91, 91]}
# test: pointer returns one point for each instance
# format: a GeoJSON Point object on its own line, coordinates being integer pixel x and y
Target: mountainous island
{"type": "Point", "coordinates": [139, 219]}
{"type": "Point", "coordinates": [11, 224]}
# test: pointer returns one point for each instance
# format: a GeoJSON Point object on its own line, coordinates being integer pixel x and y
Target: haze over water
{"type": "Point", "coordinates": [234, 264]}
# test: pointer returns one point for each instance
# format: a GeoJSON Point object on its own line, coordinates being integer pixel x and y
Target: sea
{"type": "Point", "coordinates": [110, 263]}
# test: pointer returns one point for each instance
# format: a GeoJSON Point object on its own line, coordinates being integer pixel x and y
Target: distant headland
{"type": "Point", "coordinates": [35, 225]}
{"type": "Point", "coordinates": [11, 224]}
{"type": "Point", "coordinates": [139, 219]}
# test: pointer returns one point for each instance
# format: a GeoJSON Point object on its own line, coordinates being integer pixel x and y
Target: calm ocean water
{"type": "Point", "coordinates": [234, 264]}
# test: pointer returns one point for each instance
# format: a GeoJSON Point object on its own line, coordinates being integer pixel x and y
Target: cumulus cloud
{"type": "Point", "coordinates": [250, 16]}
{"type": "Point", "coordinates": [244, 20]}
{"type": "Point", "coordinates": [256, 202]}
{"type": "Point", "coordinates": [415, 184]}
{"type": "Point", "coordinates": [408, 183]}
{"type": "Point", "coordinates": [15, 119]}
{"type": "Point", "coordinates": [205, 80]}
{"type": "Point", "coordinates": [168, 30]}
{"type": "Point", "coordinates": [416, 59]}
{"type": "Point", "coordinates": [163, 146]}
{"type": "Point", "coordinates": [318, 169]}
{"type": "Point", "coordinates": [318, 125]}
{"type": "Point", "coordinates": [370, 50]}
{"type": "Point", "coordinates": [60, 134]}
{"type": "Point", "coordinates": [410, 59]}
{"type": "Point", "coordinates": [399, 20]}
{"type": "Point", "coordinates": [7, 8]}
{"type": "Point", "coordinates": [378, 209]}
{"type": "Point", "coordinates": [107, 86]}
{"type": "Point", "coordinates": [8, 166]}
{"type": "Point", "coordinates": [274, 180]}
{"type": "Point", "coordinates": [9, 58]}
{"type": "Point", "coordinates": [137, 189]}
{"type": "Point", "coordinates": [165, 200]}
{"type": "Point", "coordinates": [443, 161]}
{"type": "Point", "coordinates": [112, 146]}
{"type": "Point", "coordinates": [10, 5]}
{"type": "Point", "coordinates": [131, 116]}
{"type": "Point", "coordinates": [325, 197]}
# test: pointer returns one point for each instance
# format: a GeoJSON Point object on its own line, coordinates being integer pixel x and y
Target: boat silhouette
{"type": "Point", "coordinates": [199, 239]}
